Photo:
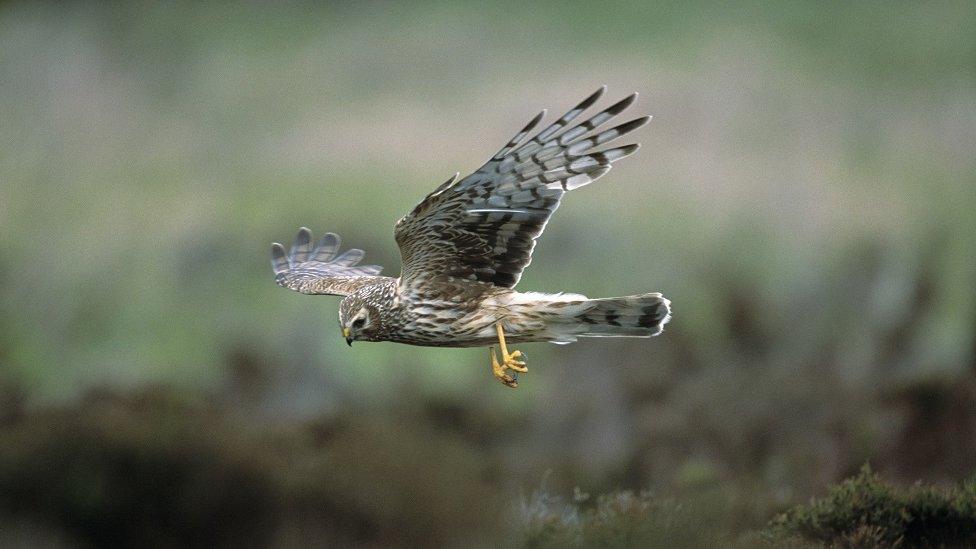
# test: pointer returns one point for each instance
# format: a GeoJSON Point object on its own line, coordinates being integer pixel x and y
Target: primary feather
{"type": "Point", "coordinates": [484, 227]}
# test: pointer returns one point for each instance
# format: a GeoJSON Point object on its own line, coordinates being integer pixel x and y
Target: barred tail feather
{"type": "Point", "coordinates": [628, 316]}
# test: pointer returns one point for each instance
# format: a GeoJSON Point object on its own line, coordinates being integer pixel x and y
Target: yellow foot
{"type": "Point", "coordinates": [509, 362]}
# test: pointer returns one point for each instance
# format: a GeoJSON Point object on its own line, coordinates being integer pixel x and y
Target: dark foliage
{"type": "Point", "coordinates": [157, 469]}
{"type": "Point", "coordinates": [863, 511]}
{"type": "Point", "coordinates": [625, 519]}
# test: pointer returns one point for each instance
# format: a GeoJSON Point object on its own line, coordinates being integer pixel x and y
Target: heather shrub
{"type": "Point", "coordinates": [864, 511]}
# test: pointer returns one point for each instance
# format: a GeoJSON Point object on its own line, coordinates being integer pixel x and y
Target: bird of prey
{"type": "Point", "coordinates": [463, 249]}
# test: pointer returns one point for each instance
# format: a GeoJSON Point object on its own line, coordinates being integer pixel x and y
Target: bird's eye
{"type": "Point", "coordinates": [358, 323]}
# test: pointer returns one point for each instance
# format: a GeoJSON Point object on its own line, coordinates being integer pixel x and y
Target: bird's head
{"type": "Point", "coordinates": [357, 319]}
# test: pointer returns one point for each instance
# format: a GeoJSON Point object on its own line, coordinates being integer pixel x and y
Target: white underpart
{"type": "Point", "coordinates": [511, 306]}
{"type": "Point", "coordinates": [496, 210]}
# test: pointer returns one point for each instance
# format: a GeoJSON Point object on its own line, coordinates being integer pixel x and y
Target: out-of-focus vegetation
{"type": "Point", "coordinates": [865, 512]}
{"type": "Point", "coordinates": [156, 468]}
{"type": "Point", "coordinates": [626, 519]}
{"type": "Point", "coordinates": [804, 196]}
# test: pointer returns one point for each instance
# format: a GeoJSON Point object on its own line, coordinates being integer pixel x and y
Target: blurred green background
{"type": "Point", "coordinates": [804, 195]}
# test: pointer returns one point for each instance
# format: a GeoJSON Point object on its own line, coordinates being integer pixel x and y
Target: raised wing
{"type": "Point", "coordinates": [484, 226]}
{"type": "Point", "coordinates": [317, 269]}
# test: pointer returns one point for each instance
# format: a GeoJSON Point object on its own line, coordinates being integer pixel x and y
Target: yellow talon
{"type": "Point", "coordinates": [498, 371]}
{"type": "Point", "coordinates": [509, 361]}
{"type": "Point", "coordinates": [516, 365]}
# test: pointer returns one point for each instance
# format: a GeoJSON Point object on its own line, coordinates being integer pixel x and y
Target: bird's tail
{"type": "Point", "coordinates": [561, 318]}
{"type": "Point", "coordinates": [629, 316]}
{"type": "Point", "coordinates": [569, 316]}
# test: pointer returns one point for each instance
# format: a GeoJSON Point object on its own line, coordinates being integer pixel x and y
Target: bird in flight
{"type": "Point", "coordinates": [463, 249]}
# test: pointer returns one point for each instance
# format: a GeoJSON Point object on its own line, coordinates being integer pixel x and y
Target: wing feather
{"type": "Point", "coordinates": [484, 226]}
{"type": "Point", "coordinates": [315, 269]}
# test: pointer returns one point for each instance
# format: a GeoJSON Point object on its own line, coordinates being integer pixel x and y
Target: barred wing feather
{"type": "Point", "coordinates": [318, 269]}
{"type": "Point", "coordinates": [484, 226]}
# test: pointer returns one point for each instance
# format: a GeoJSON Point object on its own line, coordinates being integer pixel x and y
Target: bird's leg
{"type": "Point", "coordinates": [509, 361]}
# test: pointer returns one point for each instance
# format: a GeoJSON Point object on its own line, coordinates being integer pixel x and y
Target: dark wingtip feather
{"type": "Point", "coordinates": [621, 106]}
{"type": "Point", "coordinates": [303, 237]}
{"type": "Point", "coordinates": [326, 247]}
{"type": "Point", "coordinates": [515, 141]}
{"type": "Point", "coordinates": [593, 98]}
{"type": "Point", "coordinates": [532, 123]}
{"type": "Point", "coordinates": [628, 150]}
{"type": "Point", "coordinates": [628, 127]}
{"type": "Point", "coordinates": [302, 245]}
{"type": "Point", "coordinates": [279, 262]}
{"type": "Point", "coordinates": [277, 254]}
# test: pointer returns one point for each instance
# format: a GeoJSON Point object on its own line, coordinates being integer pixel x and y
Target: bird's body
{"type": "Point", "coordinates": [422, 316]}
{"type": "Point", "coordinates": [464, 248]}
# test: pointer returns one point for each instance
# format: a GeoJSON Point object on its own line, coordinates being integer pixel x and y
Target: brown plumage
{"type": "Point", "coordinates": [464, 247]}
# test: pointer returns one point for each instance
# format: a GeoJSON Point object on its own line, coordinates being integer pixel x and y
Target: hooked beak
{"type": "Point", "coordinates": [345, 334]}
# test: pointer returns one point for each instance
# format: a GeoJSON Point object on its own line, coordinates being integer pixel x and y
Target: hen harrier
{"type": "Point", "coordinates": [464, 247]}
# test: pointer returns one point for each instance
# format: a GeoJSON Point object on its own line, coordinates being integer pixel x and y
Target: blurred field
{"type": "Point", "coordinates": [804, 196]}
